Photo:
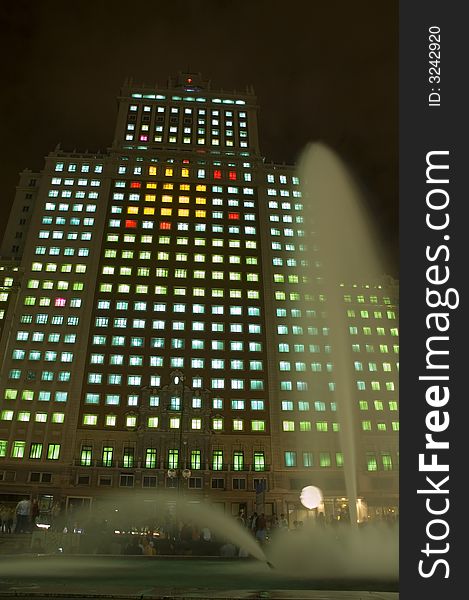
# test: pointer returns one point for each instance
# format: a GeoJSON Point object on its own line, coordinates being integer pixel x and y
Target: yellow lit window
{"type": "Point", "coordinates": [185, 187]}
{"type": "Point", "coordinates": [148, 210]}
{"type": "Point", "coordinates": [201, 188]}
{"type": "Point", "coordinates": [200, 200]}
{"type": "Point", "coordinates": [200, 214]}
{"type": "Point", "coordinates": [185, 172]}
{"type": "Point", "coordinates": [183, 212]}
{"type": "Point", "coordinates": [168, 186]}
{"type": "Point", "coordinates": [132, 210]}
{"type": "Point", "coordinates": [110, 420]}
{"type": "Point", "coordinates": [183, 199]}
{"type": "Point", "coordinates": [152, 171]}
{"type": "Point", "coordinates": [166, 212]}
{"type": "Point", "coordinates": [150, 197]}
{"type": "Point", "coordinates": [168, 172]}
{"type": "Point", "coordinates": [151, 185]}
{"type": "Point", "coordinates": [167, 199]}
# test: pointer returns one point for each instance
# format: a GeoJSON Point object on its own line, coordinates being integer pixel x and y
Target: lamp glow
{"type": "Point", "coordinates": [311, 497]}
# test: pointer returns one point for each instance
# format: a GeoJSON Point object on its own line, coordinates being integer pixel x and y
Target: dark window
{"type": "Point", "coordinates": [126, 480]}
{"type": "Point", "coordinates": [218, 484]}
{"type": "Point", "coordinates": [195, 483]}
{"type": "Point", "coordinates": [149, 482]}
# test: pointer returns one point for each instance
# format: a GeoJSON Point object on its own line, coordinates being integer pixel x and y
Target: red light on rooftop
{"type": "Point", "coordinates": [189, 80]}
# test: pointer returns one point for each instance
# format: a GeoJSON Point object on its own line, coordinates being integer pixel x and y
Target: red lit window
{"type": "Point", "coordinates": [185, 162]}
{"type": "Point", "coordinates": [233, 216]}
{"type": "Point", "coordinates": [233, 175]}
{"type": "Point", "coordinates": [217, 174]}
{"type": "Point", "coordinates": [60, 302]}
{"type": "Point", "coordinates": [130, 224]}
{"type": "Point", "coordinates": [144, 138]}
{"type": "Point", "coordinates": [165, 225]}
{"type": "Point", "coordinates": [135, 184]}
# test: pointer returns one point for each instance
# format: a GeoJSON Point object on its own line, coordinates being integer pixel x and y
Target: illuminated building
{"type": "Point", "coordinates": [161, 336]}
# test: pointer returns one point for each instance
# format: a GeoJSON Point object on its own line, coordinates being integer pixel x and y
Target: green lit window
{"type": "Point", "coordinates": [238, 461]}
{"type": "Point", "coordinates": [366, 425]}
{"type": "Point", "coordinates": [195, 459]}
{"type": "Point", "coordinates": [150, 458]}
{"type": "Point", "coordinates": [107, 456]}
{"type": "Point", "coordinates": [217, 460]}
{"type": "Point", "coordinates": [321, 426]}
{"type": "Point", "coordinates": [371, 462]}
{"type": "Point", "coordinates": [258, 425]}
{"type": "Point", "coordinates": [305, 425]}
{"type": "Point", "coordinates": [17, 450]}
{"type": "Point", "coordinates": [387, 461]}
{"type": "Point", "coordinates": [3, 448]}
{"type": "Point", "coordinates": [307, 459]}
{"type": "Point", "coordinates": [173, 459]}
{"type": "Point", "coordinates": [290, 458]}
{"type": "Point", "coordinates": [86, 456]}
{"type": "Point", "coordinates": [128, 457]}
{"type": "Point", "coordinates": [324, 459]}
{"type": "Point", "coordinates": [35, 450]}
{"type": "Point", "coordinates": [53, 451]}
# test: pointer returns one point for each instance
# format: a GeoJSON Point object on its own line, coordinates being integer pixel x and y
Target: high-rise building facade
{"type": "Point", "coordinates": [164, 323]}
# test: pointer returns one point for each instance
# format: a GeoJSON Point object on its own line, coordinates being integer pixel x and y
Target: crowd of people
{"type": "Point", "coordinates": [19, 519]}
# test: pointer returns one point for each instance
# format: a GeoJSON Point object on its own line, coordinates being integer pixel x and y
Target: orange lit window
{"type": "Point", "coordinates": [165, 225]}
{"type": "Point", "coordinates": [135, 184]}
{"type": "Point", "coordinates": [217, 174]}
{"type": "Point", "coordinates": [232, 175]}
{"type": "Point", "coordinates": [233, 216]}
{"type": "Point", "coordinates": [150, 197]}
{"type": "Point", "coordinates": [152, 171]}
{"type": "Point", "coordinates": [132, 210]}
{"type": "Point", "coordinates": [130, 224]}
{"type": "Point", "coordinates": [183, 212]}
{"type": "Point", "coordinates": [149, 210]}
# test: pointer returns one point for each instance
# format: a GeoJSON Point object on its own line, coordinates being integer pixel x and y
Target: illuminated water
{"type": "Point", "coordinates": [337, 221]}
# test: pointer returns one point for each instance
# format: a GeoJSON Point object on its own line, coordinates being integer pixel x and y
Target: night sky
{"type": "Point", "coordinates": [322, 71]}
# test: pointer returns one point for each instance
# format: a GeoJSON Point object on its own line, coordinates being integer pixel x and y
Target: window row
{"type": "Point", "coordinates": [134, 360]}
{"type": "Point", "coordinates": [125, 288]}
{"type": "Point", "coordinates": [139, 342]}
{"type": "Point", "coordinates": [26, 416]}
{"type": "Point", "coordinates": [18, 450]}
{"type": "Point", "coordinates": [171, 459]}
{"type": "Point", "coordinates": [142, 305]}
{"type": "Point", "coordinates": [42, 319]}
{"type": "Point", "coordinates": [166, 239]}
{"type": "Point", "coordinates": [217, 423]}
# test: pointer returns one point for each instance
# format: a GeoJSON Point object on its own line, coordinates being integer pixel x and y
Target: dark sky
{"type": "Point", "coordinates": [323, 70]}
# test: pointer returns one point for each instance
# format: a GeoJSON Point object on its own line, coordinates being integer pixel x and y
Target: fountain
{"type": "Point", "coordinates": [336, 218]}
